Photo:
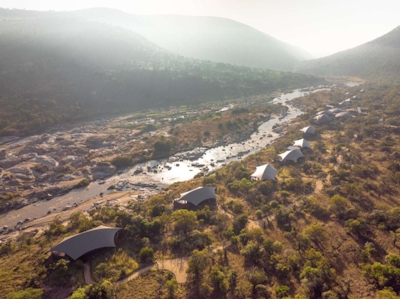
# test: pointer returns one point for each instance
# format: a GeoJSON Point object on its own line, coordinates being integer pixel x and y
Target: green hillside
{"type": "Point", "coordinates": [376, 60]}
{"type": "Point", "coordinates": [328, 227]}
{"type": "Point", "coordinates": [57, 68]}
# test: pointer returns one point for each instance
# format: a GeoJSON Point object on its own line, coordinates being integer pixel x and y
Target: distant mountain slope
{"type": "Point", "coordinates": [57, 68]}
{"type": "Point", "coordinates": [377, 59]}
{"type": "Point", "coordinates": [207, 38]}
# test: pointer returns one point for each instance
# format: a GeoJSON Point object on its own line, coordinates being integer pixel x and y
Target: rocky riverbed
{"type": "Point", "coordinates": [38, 174]}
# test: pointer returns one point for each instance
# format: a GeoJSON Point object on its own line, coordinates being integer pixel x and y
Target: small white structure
{"type": "Point", "coordinates": [322, 119]}
{"type": "Point", "coordinates": [346, 102]}
{"type": "Point", "coordinates": [336, 110]}
{"type": "Point", "coordinates": [326, 112]}
{"type": "Point", "coordinates": [264, 172]}
{"type": "Point", "coordinates": [308, 130]}
{"type": "Point", "coordinates": [292, 155]}
{"type": "Point", "coordinates": [302, 143]}
{"type": "Point", "coordinates": [195, 197]}
{"type": "Point", "coordinates": [344, 115]}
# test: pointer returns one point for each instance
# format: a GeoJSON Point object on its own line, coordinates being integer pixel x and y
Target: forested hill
{"type": "Point", "coordinates": [208, 38]}
{"type": "Point", "coordinates": [57, 68]}
{"type": "Point", "coordinates": [376, 60]}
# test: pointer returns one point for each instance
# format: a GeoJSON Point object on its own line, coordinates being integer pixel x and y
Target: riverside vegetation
{"type": "Point", "coordinates": [327, 228]}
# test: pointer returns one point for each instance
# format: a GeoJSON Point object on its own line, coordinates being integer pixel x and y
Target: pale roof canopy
{"type": "Point", "coordinates": [336, 110]}
{"type": "Point", "coordinates": [322, 119]}
{"type": "Point", "coordinates": [308, 130]}
{"type": "Point", "coordinates": [344, 115]}
{"type": "Point", "coordinates": [302, 143]}
{"type": "Point", "coordinates": [198, 195]}
{"type": "Point", "coordinates": [77, 245]}
{"type": "Point", "coordinates": [327, 112]}
{"type": "Point", "coordinates": [291, 155]}
{"type": "Point", "coordinates": [265, 172]}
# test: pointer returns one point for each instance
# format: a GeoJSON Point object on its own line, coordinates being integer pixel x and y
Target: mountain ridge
{"type": "Point", "coordinates": [196, 37]}
{"type": "Point", "coordinates": [378, 59]}
{"type": "Point", "coordinates": [58, 69]}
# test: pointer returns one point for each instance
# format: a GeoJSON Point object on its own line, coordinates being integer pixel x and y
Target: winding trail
{"type": "Point", "coordinates": [177, 266]}
{"type": "Point", "coordinates": [87, 274]}
{"type": "Point", "coordinates": [135, 274]}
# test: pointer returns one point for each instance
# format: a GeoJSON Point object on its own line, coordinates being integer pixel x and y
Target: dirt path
{"type": "Point", "coordinates": [87, 274]}
{"type": "Point", "coordinates": [339, 160]}
{"type": "Point", "coordinates": [318, 186]}
{"type": "Point", "coordinates": [177, 266]}
{"type": "Point", "coordinates": [135, 274]}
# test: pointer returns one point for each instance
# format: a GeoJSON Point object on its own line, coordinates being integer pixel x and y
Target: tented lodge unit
{"type": "Point", "coordinates": [344, 116]}
{"type": "Point", "coordinates": [96, 238]}
{"type": "Point", "coordinates": [264, 172]}
{"type": "Point", "coordinates": [302, 143]}
{"type": "Point", "coordinates": [192, 199]}
{"type": "Point", "coordinates": [291, 155]}
{"type": "Point", "coordinates": [336, 110]}
{"type": "Point", "coordinates": [322, 119]}
{"type": "Point", "coordinates": [326, 112]}
{"type": "Point", "coordinates": [308, 130]}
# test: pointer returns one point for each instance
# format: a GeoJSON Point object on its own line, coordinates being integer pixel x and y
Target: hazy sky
{"type": "Point", "coordinates": [321, 27]}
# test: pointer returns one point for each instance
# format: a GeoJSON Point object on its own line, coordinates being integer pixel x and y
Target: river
{"type": "Point", "coordinates": [169, 171]}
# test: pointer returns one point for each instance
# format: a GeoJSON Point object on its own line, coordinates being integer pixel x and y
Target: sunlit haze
{"type": "Point", "coordinates": [320, 27]}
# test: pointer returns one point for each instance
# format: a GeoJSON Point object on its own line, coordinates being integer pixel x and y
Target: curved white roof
{"type": "Point", "coordinates": [291, 155]}
{"type": "Point", "coordinates": [336, 110]}
{"type": "Point", "coordinates": [326, 112]}
{"type": "Point", "coordinates": [265, 172]}
{"type": "Point", "coordinates": [309, 130]}
{"type": "Point", "coordinates": [77, 245]}
{"type": "Point", "coordinates": [344, 115]}
{"type": "Point", "coordinates": [322, 119]}
{"type": "Point", "coordinates": [302, 143]}
{"type": "Point", "coordinates": [196, 196]}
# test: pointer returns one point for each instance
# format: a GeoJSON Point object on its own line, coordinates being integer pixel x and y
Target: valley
{"type": "Point", "coordinates": [37, 192]}
{"type": "Point", "coordinates": [168, 156]}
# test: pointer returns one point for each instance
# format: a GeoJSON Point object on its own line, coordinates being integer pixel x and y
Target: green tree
{"type": "Point", "coordinates": [146, 255]}
{"type": "Point", "coordinates": [198, 263]}
{"type": "Point", "coordinates": [338, 205]}
{"type": "Point", "coordinates": [240, 223]}
{"type": "Point", "coordinates": [28, 293]}
{"type": "Point", "coordinates": [185, 220]}
{"type": "Point", "coordinates": [172, 287]}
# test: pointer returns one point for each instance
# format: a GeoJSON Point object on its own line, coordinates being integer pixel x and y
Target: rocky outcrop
{"type": "Point", "coordinates": [102, 170]}
{"type": "Point", "coordinates": [49, 193]}
{"type": "Point", "coordinates": [94, 142]}
{"type": "Point", "coordinates": [10, 162]}
{"type": "Point", "coordinates": [45, 160]}
{"type": "Point", "coordinates": [22, 173]}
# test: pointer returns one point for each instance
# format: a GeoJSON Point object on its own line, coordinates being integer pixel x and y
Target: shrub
{"type": "Point", "coordinates": [122, 161]}
{"type": "Point", "coordinates": [146, 254]}
{"type": "Point", "coordinates": [28, 293]}
{"type": "Point", "coordinates": [82, 183]}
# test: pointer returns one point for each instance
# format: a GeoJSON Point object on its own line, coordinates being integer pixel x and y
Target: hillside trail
{"type": "Point", "coordinates": [87, 273]}
{"type": "Point", "coordinates": [135, 274]}
{"type": "Point", "coordinates": [177, 266]}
